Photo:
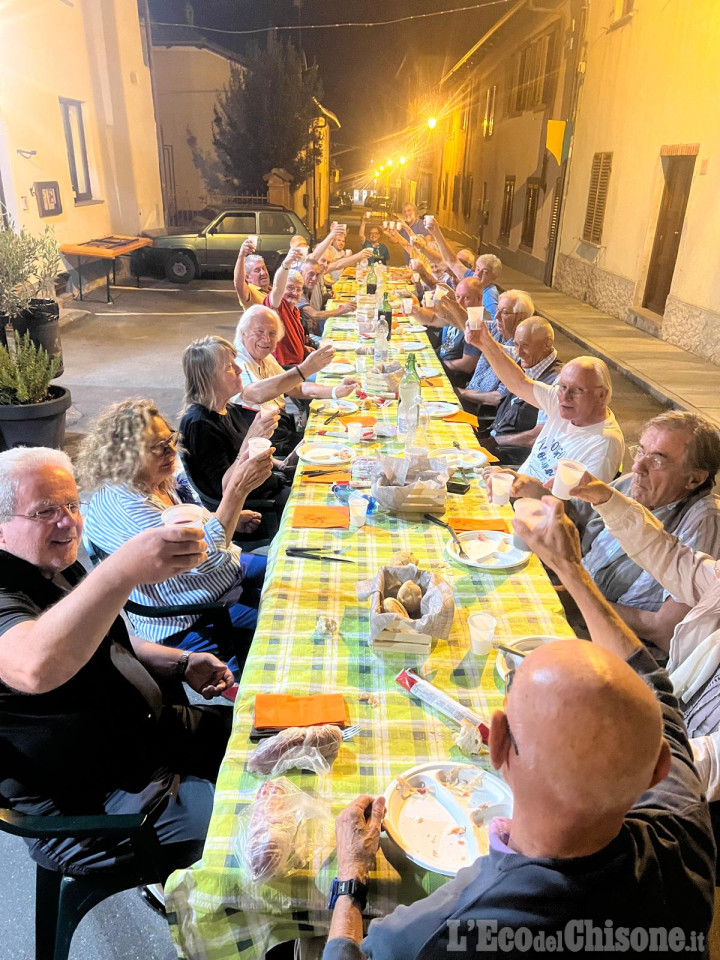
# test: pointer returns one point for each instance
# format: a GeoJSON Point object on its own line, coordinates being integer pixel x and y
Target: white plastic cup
{"type": "Point", "coordinates": [354, 432]}
{"type": "Point", "coordinates": [358, 511]}
{"type": "Point", "coordinates": [253, 240]}
{"type": "Point", "coordinates": [475, 317]}
{"type": "Point", "coordinates": [360, 363]}
{"type": "Point", "coordinates": [482, 631]}
{"type": "Point", "coordinates": [414, 264]}
{"type": "Point", "coordinates": [440, 292]}
{"type": "Point", "coordinates": [567, 475]}
{"type": "Point", "coordinates": [428, 220]}
{"type": "Point", "coordinates": [407, 305]}
{"type": "Point", "coordinates": [501, 486]}
{"type": "Point", "coordinates": [533, 513]}
{"type": "Point", "coordinates": [257, 447]}
{"type": "Point", "coordinates": [416, 278]}
{"type": "Point", "coordinates": [385, 224]}
{"type": "Point", "coordinates": [428, 298]}
{"type": "Point", "coordinates": [183, 515]}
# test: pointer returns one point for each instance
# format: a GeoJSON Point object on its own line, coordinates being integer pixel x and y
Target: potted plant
{"type": "Point", "coordinates": [29, 266]}
{"type": "Point", "coordinates": [32, 411]}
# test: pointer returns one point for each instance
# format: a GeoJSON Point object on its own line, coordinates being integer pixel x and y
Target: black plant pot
{"type": "Point", "coordinates": [42, 321]}
{"type": "Point", "coordinates": [35, 424]}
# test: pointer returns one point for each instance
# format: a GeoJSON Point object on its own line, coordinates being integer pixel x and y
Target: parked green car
{"type": "Point", "coordinates": [214, 248]}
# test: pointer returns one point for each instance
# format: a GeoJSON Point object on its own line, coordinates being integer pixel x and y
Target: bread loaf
{"type": "Point", "coordinates": [298, 748]}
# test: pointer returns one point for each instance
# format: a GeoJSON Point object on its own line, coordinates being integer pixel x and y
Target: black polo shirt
{"type": "Point", "coordinates": [95, 733]}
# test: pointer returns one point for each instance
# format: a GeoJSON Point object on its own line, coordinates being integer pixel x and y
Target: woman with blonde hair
{"type": "Point", "coordinates": [128, 462]}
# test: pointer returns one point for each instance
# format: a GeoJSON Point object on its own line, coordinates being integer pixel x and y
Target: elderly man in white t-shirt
{"type": "Point", "coordinates": [580, 425]}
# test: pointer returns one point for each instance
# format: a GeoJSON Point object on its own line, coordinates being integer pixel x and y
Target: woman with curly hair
{"type": "Point", "coordinates": [128, 461]}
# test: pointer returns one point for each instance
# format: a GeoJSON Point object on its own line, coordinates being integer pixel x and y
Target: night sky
{"type": "Point", "coordinates": [360, 68]}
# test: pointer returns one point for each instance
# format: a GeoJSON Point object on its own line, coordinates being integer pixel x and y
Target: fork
{"type": "Point", "coordinates": [458, 544]}
{"type": "Point", "coordinates": [349, 732]}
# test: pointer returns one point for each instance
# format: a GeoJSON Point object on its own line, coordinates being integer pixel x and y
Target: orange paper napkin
{"type": "Point", "coordinates": [336, 476]}
{"type": "Point", "coordinates": [284, 710]}
{"type": "Point", "coordinates": [491, 458]}
{"type": "Point", "coordinates": [461, 416]}
{"type": "Point", "coordinates": [464, 524]}
{"type": "Point", "coordinates": [432, 382]}
{"type": "Point", "coordinates": [323, 517]}
{"type": "Point", "coordinates": [357, 418]}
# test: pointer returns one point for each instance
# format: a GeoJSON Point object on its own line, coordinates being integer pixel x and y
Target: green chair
{"type": "Point", "coordinates": [62, 901]}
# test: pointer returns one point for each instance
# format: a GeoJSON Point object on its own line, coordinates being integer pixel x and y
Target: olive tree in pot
{"type": "Point", "coordinates": [29, 266]}
{"type": "Point", "coordinates": [32, 411]}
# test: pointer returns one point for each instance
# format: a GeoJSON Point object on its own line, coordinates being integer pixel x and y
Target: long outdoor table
{"type": "Point", "coordinates": [214, 913]}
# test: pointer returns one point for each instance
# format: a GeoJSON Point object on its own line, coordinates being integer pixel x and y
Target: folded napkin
{"type": "Point", "coordinates": [280, 710]}
{"type": "Point", "coordinates": [464, 524]}
{"type": "Point", "coordinates": [433, 382]}
{"type": "Point", "coordinates": [461, 416]}
{"type": "Point", "coordinates": [491, 458]}
{"type": "Point", "coordinates": [310, 515]}
{"type": "Point", "coordinates": [335, 476]}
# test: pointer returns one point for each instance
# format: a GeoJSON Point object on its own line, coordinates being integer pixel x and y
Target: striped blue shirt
{"type": "Point", "coordinates": [116, 514]}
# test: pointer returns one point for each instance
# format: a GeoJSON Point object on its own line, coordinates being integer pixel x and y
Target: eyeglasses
{"type": "Point", "coordinates": [166, 446]}
{"type": "Point", "coordinates": [53, 514]}
{"type": "Point", "coordinates": [652, 460]}
{"type": "Point", "coordinates": [570, 392]}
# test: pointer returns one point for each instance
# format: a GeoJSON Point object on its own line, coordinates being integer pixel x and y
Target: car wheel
{"type": "Point", "coordinates": [181, 268]}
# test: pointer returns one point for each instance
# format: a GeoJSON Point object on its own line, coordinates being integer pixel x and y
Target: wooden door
{"type": "Point", "coordinates": [678, 179]}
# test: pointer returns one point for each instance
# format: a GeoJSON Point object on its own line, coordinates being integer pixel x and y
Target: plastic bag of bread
{"type": "Point", "coordinates": [284, 830]}
{"type": "Point", "coordinates": [298, 748]}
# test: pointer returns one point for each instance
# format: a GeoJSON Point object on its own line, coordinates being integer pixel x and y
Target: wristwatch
{"type": "Point", "coordinates": [182, 664]}
{"type": "Point", "coordinates": [354, 889]}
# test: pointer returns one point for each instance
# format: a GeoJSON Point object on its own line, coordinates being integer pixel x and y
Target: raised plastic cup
{"type": "Point", "coordinates": [407, 305]}
{"type": "Point", "coordinates": [475, 317]}
{"type": "Point", "coordinates": [183, 515]}
{"type": "Point", "coordinates": [385, 224]}
{"type": "Point", "coordinates": [567, 475]}
{"type": "Point", "coordinates": [358, 510]}
{"type": "Point", "coordinates": [501, 486]}
{"type": "Point", "coordinates": [482, 628]}
{"type": "Point", "coordinates": [440, 292]}
{"type": "Point", "coordinates": [253, 240]}
{"type": "Point", "coordinates": [257, 447]}
{"type": "Point", "coordinates": [428, 298]}
{"type": "Point", "coordinates": [533, 513]}
{"type": "Point", "coordinates": [428, 220]}
{"type": "Point", "coordinates": [354, 432]}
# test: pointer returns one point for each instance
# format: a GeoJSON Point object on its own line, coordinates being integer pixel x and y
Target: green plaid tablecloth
{"type": "Point", "coordinates": [213, 913]}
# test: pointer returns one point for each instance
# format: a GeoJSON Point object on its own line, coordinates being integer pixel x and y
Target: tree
{"type": "Point", "coordinates": [262, 119]}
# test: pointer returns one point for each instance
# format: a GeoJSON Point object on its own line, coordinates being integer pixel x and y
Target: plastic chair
{"type": "Point", "coordinates": [217, 609]}
{"type": "Point", "coordinates": [266, 531]}
{"type": "Point", "coordinates": [62, 901]}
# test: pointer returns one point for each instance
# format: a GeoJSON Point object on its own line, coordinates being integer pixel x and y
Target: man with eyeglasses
{"type": "Point", "coordinates": [610, 833]}
{"type": "Point", "coordinates": [83, 725]}
{"type": "Point", "coordinates": [580, 425]}
{"type": "Point", "coordinates": [672, 476]}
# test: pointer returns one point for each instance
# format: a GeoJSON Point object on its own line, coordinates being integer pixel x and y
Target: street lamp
{"type": "Point", "coordinates": [402, 161]}
{"type": "Point", "coordinates": [432, 122]}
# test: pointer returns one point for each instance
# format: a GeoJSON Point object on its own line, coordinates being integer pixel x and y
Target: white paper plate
{"type": "Point", "coordinates": [504, 662]}
{"type": "Point", "coordinates": [502, 556]}
{"type": "Point", "coordinates": [326, 453]}
{"type": "Point", "coordinates": [344, 345]}
{"type": "Point", "coordinates": [439, 813]}
{"type": "Point", "coordinates": [337, 406]}
{"type": "Point", "coordinates": [339, 368]}
{"type": "Point", "coordinates": [344, 325]}
{"type": "Point", "coordinates": [467, 459]}
{"type": "Point", "coordinates": [415, 328]}
{"type": "Point", "coordinates": [409, 346]}
{"type": "Point", "coordinates": [428, 371]}
{"type": "Point", "coordinates": [441, 408]}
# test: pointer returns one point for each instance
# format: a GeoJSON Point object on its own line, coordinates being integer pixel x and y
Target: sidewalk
{"type": "Point", "coordinates": [668, 373]}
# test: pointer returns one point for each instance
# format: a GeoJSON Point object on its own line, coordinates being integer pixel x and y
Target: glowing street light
{"type": "Point", "coordinates": [381, 168]}
{"type": "Point", "coordinates": [376, 174]}
{"type": "Point", "coordinates": [390, 163]}
{"type": "Point", "coordinates": [432, 122]}
{"type": "Point", "coordinates": [402, 161]}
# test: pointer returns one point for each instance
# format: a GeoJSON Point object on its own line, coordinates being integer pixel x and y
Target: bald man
{"type": "Point", "coordinates": [610, 831]}
{"type": "Point", "coordinates": [580, 424]}
{"type": "Point", "coordinates": [517, 424]}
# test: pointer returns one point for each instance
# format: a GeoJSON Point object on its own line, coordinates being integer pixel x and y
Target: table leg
{"type": "Point", "coordinates": [109, 299]}
{"type": "Point", "coordinates": [80, 277]}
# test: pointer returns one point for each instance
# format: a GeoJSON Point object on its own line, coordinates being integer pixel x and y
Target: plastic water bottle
{"type": "Point", "coordinates": [380, 354]}
{"type": "Point", "coordinates": [416, 439]}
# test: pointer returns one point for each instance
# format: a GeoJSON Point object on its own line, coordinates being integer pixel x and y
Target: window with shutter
{"type": "Point", "coordinates": [530, 213]}
{"type": "Point", "coordinates": [507, 208]}
{"type": "Point", "coordinates": [597, 197]}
